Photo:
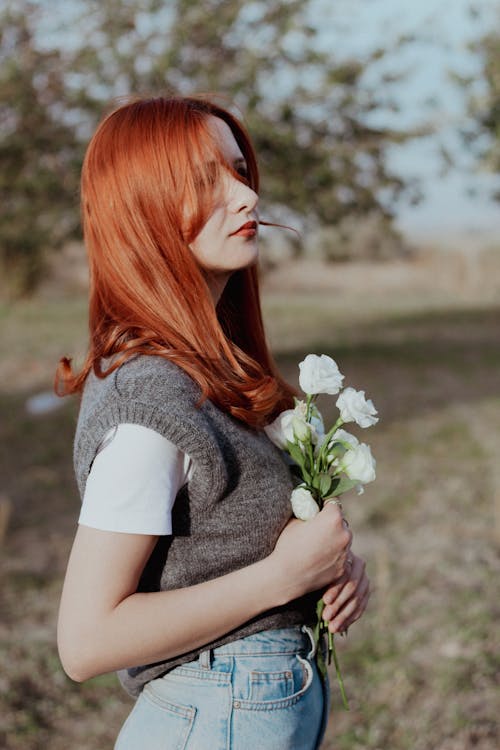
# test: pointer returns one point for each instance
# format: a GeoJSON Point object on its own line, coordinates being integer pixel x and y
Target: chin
{"type": "Point", "coordinates": [250, 259]}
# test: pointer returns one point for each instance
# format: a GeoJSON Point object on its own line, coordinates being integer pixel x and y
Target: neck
{"type": "Point", "coordinates": [216, 283]}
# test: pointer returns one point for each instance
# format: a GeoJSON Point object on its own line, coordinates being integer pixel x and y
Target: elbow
{"type": "Point", "coordinates": [77, 662]}
{"type": "Point", "coordinates": [75, 667]}
{"type": "Point", "coordinates": [74, 672]}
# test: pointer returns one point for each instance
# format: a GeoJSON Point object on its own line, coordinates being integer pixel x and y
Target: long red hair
{"type": "Point", "coordinates": [147, 190]}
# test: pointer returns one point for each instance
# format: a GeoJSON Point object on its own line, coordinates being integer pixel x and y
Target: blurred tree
{"type": "Point", "coordinates": [489, 111]}
{"type": "Point", "coordinates": [309, 112]}
{"type": "Point", "coordinates": [483, 135]}
{"type": "Point", "coordinates": [39, 155]}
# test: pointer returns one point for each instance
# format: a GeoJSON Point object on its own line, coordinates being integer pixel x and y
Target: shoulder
{"type": "Point", "coordinates": [146, 390]}
{"type": "Point", "coordinates": [149, 375]}
{"type": "Point", "coordinates": [144, 379]}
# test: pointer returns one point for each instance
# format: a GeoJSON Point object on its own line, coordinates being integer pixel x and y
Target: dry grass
{"type": "Point", "coordinates": [421, 669]}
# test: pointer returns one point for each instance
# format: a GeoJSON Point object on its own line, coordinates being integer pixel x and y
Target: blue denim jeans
{"type": "Point", "coordinates": [262, 692]}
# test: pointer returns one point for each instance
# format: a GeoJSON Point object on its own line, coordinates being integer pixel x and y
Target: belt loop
{"type": "Point", "coordinates": [309, 631]}
{"type": "Point", "coordinates": [205, 659]}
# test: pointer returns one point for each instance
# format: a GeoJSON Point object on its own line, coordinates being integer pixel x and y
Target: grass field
{"type": "Point", "coordinates": [421, 668]}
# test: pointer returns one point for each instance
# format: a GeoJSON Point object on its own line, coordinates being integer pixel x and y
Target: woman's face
{"type": "Point", "coordinates": [228, 240]}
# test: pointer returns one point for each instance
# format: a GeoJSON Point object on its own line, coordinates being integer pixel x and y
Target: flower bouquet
{"type": "Point", "coordinates": [328, 462]}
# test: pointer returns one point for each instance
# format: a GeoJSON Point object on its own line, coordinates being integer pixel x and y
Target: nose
{"type": "Point", "coordinates": [242, 197]}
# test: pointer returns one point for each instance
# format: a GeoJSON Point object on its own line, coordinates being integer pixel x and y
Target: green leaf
{"type": "Point", "coordinates": [320, 605]}
{"type": "Point", "coordinates": [325, 483]}
{"type": "Point", "coordinates": [335, 482]}
{"type": "Point", "coordinates": [296, 453]}
{"type": "Point", "coordinates": [337, 450]}
{"type": "Point", "coordinates": [345, 484]}
{"type": "Point", "coordinates": [307, 478]}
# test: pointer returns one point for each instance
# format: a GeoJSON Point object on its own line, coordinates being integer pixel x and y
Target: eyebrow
{"type": "Point", "coordinates": [238, 161]}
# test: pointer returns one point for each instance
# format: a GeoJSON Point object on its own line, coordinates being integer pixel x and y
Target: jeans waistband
{"type": "Point", "coordinates": [275, 641]}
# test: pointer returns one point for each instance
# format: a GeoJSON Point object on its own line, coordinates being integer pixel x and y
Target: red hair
{"type": "Point", "coordinates": [147, 190]}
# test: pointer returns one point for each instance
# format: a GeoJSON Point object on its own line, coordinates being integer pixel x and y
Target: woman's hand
{"type": "Point", "coordinates": [346, 599]}
{"type": "Point", "coordinates": [310, 554]}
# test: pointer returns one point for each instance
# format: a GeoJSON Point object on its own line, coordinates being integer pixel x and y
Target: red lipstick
{"type": "Point", "coordinates": [246, 230]}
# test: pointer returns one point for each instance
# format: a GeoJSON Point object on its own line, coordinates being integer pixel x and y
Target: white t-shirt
{"type": "Point", "coordinates": [133, 482]}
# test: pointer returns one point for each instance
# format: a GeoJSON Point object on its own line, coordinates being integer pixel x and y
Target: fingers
{"type": "Point", "coordinates": [334, 590]}
{"type": "Point", "coordinates": [347, 598]}
{"type": "Point", "coordinates": [357, 614]}
{"type": "Point", "coordinates": [351, 611]}
{"type": "Point", "coordinates": [341, 534]}
{"type": "Point", "coordinates": [348, 588]}
{"type": "Point", "coordinates": [333, 510]}
{"type": "Point", "coordinates": [347, 562]}
{"type": "Point", "coordinates": [333, 539]}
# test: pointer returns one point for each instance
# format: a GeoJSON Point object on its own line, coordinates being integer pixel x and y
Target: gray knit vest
{"type": "Point", "coordinates": [231, 512]}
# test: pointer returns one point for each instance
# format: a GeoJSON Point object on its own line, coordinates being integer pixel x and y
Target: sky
{"type": "Point", "coordinates": [443, 30]}
{"type": "Point", "coordinates": [457, 204]}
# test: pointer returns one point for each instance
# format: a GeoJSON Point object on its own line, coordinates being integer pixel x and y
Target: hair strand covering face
{"type": "Point", "coordinates": [147, 190]}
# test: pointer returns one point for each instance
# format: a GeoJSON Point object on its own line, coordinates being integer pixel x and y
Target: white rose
{"type": "Point", "coordinates": [281, 429]}
{"type": "Point", "coordinates": [344, 437]}
{"type": "Point", "coordinates": [300, 409]}
{"type": "Point", "coordinates": [289, 426]}
{"type": "Point", "coordinates": [354, 407]}
{"type": "Point", "coordinates": [304, 506]}
{"type": "Point", "coordinates": [338, 436]}
{"type": "Point", "coordinates": [315, 425]}
{"type": "Point", "coordinates": [358, 463]}
{"type": "Point", "coordinates": [320, 374]}
{"type": "Point", "coordinates": [301, 429]}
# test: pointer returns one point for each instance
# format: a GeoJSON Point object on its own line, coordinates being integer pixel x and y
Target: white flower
{"type": "Point", "coordinates": [300, 408]}
{"type": "Point", "coordinates": [354, 407]}
{"type": "Point", "coordinates": [358, 463]}
{"type": "Point", "coordinates": [338, 436]}
{"type": "Point", "coordinates": [303, 430]}
{"type": "Point", "coordinates": [304, 506]}
{"type": "Point", "coordinates": [281, 429]}
{"type": "Point", "coordinates": [291, 425]}
{"type": "Point", "coordinates": [344, 437]}
{"type": "Point", "coordinates": [320, 374]}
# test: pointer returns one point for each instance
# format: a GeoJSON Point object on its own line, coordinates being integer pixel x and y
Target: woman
{"type": "Point", "coordinates": [187, 574]}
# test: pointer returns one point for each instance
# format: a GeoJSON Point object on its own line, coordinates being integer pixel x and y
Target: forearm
{"type": "Point", "coordinates": [148, 627]}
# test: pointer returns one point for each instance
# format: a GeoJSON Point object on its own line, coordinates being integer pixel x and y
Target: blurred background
{"type": "Point", "coordinates": [377, 124]}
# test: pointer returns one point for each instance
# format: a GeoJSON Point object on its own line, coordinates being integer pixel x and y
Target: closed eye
{"type": "Point", "coordinates": [241, 169]}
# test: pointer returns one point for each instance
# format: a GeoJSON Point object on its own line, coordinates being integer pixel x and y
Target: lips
{"type": "Point", "coordinates": [249, 229]}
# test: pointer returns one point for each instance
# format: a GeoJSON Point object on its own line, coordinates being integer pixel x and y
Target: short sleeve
{"type": "Point", "coordinates": [133, 482]}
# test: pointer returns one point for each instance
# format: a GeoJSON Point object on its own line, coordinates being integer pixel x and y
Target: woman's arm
{"type": "Point", "coordinates": [105, 625]}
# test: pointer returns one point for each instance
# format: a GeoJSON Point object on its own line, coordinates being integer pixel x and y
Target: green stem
{"type": "Point", "coordinates": [320, 628]}
{"type": "Point", "coordinates": [309, 399]}
{"type": "Point", "coordinates": [332, 650]}
{"type": "Point", "coordinates": [324, 448]}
